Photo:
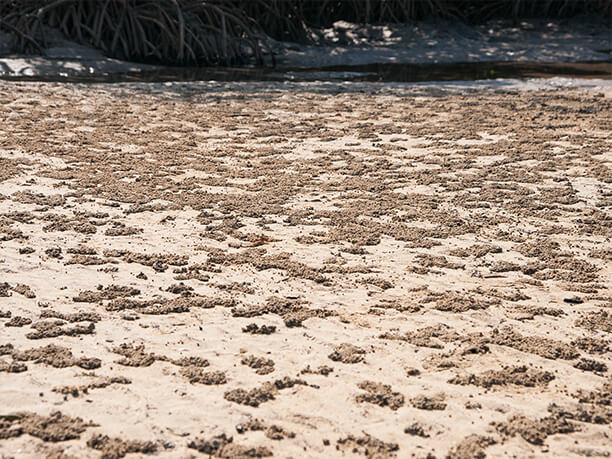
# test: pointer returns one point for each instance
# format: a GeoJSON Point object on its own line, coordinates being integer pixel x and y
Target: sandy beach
{"type": "Point", "coordinates": [254, 270]}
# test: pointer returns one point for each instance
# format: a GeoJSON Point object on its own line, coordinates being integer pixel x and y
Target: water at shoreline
{"type": "Point", "coordinates": [408, 73]}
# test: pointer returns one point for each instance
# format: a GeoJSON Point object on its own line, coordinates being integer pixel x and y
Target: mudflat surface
{"type": "Point", "coordinates": [315, 272]}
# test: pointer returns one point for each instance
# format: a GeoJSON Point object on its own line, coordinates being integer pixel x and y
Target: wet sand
{"type": "Point", "coordinates": [318, 271]}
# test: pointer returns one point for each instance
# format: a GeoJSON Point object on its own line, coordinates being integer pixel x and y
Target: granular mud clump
{"type": "Point", "coordinates": [6, 349]}
{"type": "Point", "coordinates": [397, 306]}
{"type": "Point", "coordinates": [288, 382]}
{"type": "Point", "coordinates": [196, 375]}
{"type": "Point", "coordinates": [5, 289]}
{"type": "Point", "coordinates": [56, 356]}
{"type": "Point", "coordinates": [321, 370]}
{"type": "Point", "coordinates": [135, 356]}
{"type": "Point", "coordinates": [54, 252]}
{"type": "Point", "coordinates": [471, 447]}
{"type": "Point", "coordinates": [368, 446]}
{"type": "Point", "coordinates": [159, 262]}
{"type": "Point", "coordinates": [24, 290]}
{"type": "Point", "coordinates": [75, 391]}
{"type": "Point", "coordinates": [199, 362]}
{"type": "Point", "coordinates": [163, 306]}
{"type": "Point", "coordinates": [293, 312]}
{"type": "Point", "coordinates": [592, 414]}
{"type": "Point", "coordinates": [544, 347]}
{"type": "Point", "coordinates": [18, 321]}
{"type": "Point", "coordinates": [455, 302]}
{"type": "Point", "coordinates": [267, 391]}
{"type": "Point", "coordinates": [476, 251]}
{"type": "Point", "coordinates": [180, 289]}
{"type": "Point", "coordinates": [348, 353]}
{"type": "Point", "coordinates": [223, 446]}
{"type": "Point", "coordinates": [596, 321]}
{"type": "Point", "coordinates": [535, 431]}
{"type": "Point", "coordinates": [54, 328]}
{"type": "Point", "coordinates": [417, 430]}
{"type": "Point", "coordinates": [519, 376]}
{"type": "Point", "coordinates": [261, 365]}
{"type": "Point", "coordinates": [591, 365]}
{"type": "Point", "coordinates": [12, 367]}
{"type": "Point", "coordinates": [71, 317]}
{"type": "Point", "coordinates": [380, 394]}
{"type": "Point", "coordinates": [601, 396]}
{"type": "Point", "coordinates": [82, 250]}
{"type": "Point", "coordinates": [115, 448]}
{"type": "Point", "coordinates": [259, 330]}
{"type": "Point", "coordinates": [105, 293]}
{"type": "Point", "coordinates": [53, 428]}
{"type": "Point", "coordinates": [592, 345]}
{"type": "Point", "coordinates": [122, 231]}
{"type": "Point", "coordinates": [253, 397]}
{"type": "Point", "coordinates": [433, 337]}
{"type": "Point", "coordinates": [250, 425]}
{"type": "Point", "coordinates": [86, 260]}
{"type": "Point", "coordinates": [275, 432]}
{"type": "Point", "coordinates": [423, 402]}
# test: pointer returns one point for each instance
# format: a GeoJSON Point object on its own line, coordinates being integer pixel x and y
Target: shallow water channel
{"type": "Point", "coordinates": [471, 71]}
